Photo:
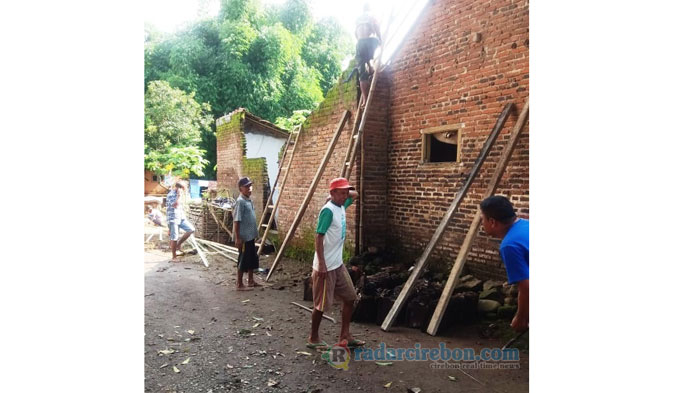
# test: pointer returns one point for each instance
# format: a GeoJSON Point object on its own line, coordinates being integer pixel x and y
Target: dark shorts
{"type": "Point", "coordinates": [365, 51]}
{"type": "Point", "coordinates": [248, 260]}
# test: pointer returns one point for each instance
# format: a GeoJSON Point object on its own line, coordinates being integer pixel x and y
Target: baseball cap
{"type": "Point", "coordinates": [340, 182]}
{"type": "Point", "coordinates": [245, 181]}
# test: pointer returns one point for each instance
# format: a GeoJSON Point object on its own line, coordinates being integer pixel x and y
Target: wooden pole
{"type": "Point", "coordinates": [212, 213]}
{"type": "Point", "coordinates": [232, 250]}
{"type": "Point", "coordinates": [474, 227]}
{"type": "Point", "coordinates": [310, 310]}
{"type": "Point", "coordinates": [349, 164]}
{"type": "Point", "coordinates": [422, 261]}
{"type": "Point", "coordinates": [201, 254]}
{"type": "Point", "coordinates": [310, 192]}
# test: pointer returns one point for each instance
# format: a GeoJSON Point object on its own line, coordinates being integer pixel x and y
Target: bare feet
{"type": "Point", "coordinates": [243, 288]}
{"type": "Point", "coordinates": [254, 284]}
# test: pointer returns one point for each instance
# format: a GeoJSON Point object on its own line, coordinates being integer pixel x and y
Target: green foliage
{"type": "Point", "coordinates": [174, 122]}
{"type": "Point", "coordinates": [288, 123]}
{"type": "Point", "coordinates": [272, 61]}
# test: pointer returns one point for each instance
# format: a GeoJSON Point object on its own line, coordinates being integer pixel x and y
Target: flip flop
{"type": "Point", "coordinates": [355, 343]}
{"type": "Point", "coordinates": [321, 345]}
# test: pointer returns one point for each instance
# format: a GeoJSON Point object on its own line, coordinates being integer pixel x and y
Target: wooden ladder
{"type": "Point", "coordinates": [270, 208]}
{"type": "Point", "coordinates": [310, 193]}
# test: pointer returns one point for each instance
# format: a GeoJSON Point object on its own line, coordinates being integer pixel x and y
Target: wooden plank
{"type": "Point", "coordinates": [310, 192]}
{"type": "Point", "coordinates": [351, 142]}
{"type": "Point", "coordinates": [446, 127]}
{"type": "Point", "coordinates": [201, 254]}
{"type": "Point", "coordinates": [225, 253]}
{"type": "Point", "coordinates": [474, 227]}
{"type": "Point", "coordinates": [422, 261]}
{"type": "Point", "coordinates": [212, 213]}
{"type": "Point", "coordinates": [280, 193]}
{"type": "Point", "coordinates": [230, 249]}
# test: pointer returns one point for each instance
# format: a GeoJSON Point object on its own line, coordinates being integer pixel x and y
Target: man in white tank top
{"type": "Point", "coordinates": [330, 277]}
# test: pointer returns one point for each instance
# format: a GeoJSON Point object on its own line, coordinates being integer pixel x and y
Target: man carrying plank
{"type": "Point", "coordinates": [499, 220]}
{"type": "Point", "coordinates": [329, 275]}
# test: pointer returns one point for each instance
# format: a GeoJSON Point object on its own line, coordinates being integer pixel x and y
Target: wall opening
{"type": "Point", "coordinates": [441, 144]}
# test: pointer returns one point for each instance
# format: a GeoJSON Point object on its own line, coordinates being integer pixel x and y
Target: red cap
{"type": "Point", "coordinates": [339, 182]}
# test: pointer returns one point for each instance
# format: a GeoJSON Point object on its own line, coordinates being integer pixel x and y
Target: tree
{"type": "Point", "coordinates": [174, 122]}
{"type": "Point", "coordinates": [271, 60]}
{"type": "Point", "coordinates": [297, 118]}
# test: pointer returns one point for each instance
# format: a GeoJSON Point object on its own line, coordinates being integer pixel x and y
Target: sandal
{"type": "Point", "coordinates": [355, 343]}
{"type": "Point", "coordinates": [321, 345]}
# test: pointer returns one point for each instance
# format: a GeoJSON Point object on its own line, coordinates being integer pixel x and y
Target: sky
{"type": "Point", "coordinates": [167, 15]}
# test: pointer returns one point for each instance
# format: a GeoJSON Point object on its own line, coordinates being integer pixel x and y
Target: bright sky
{"type": "Point", "coordinates": [167, 15]}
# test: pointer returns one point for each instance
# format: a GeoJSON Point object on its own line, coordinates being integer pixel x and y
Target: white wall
{"type": "Point", "coordinates": [267, 146]}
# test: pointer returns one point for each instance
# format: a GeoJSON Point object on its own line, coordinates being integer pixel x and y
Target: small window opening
{"type": "Point", "coordinates": [441, 144]}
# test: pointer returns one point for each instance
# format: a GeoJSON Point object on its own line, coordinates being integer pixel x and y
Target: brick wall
{"type": "Point", "coordinates": [257, 171]}
{"type": "Point", "coordinates": [461, 64]}
{"type": "Point", "coordinates": [230, 152]}
{"type": "Point", "coordinates": [311, 146]}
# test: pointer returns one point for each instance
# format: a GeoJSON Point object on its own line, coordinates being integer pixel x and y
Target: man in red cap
{"type": "Point", "coordinates": [330, 277]}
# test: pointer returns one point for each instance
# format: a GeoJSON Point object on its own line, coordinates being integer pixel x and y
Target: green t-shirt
{"type": "Point", "coordinates": [326, 217]}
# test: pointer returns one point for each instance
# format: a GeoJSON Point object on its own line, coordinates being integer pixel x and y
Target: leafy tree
{"type": "Point", "coordinates": [271, 60]}
{"type": "Point", "coordinates": [288, 123]}
{"type": "Point", "coordinates": [174, 122]}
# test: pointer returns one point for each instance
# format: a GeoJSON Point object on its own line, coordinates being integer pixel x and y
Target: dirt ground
{"type": "Point", "coordinates": [193, 320]}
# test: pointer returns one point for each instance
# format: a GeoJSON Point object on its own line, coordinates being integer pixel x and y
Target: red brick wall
{"type": "Point", "coordinates": [230, 152]}
{"type": "Point", "coordinates": [311, 147]}
{"type": "Point", "coordinates": [444, 75]}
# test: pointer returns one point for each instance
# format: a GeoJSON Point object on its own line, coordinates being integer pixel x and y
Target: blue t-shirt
{"type": "Point", "coordinates": [514, 250]}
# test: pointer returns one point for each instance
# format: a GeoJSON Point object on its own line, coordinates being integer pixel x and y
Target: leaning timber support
{"type": "Point", "coordinates": [310, 193]}
{"type": "Point", "coordinates": [422, 261]}
{"type": "Point", "coordinates": [459, 263]}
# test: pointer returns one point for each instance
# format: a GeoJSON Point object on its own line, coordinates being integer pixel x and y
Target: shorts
{"type": "Point", "coordinates": [365, 51]}
{"type": "Point", "coordinates": [337, 283]}
{"type": "Point", "coordinates": [248, 259]}
{"type": "Point", "coordinates": [174, 226]}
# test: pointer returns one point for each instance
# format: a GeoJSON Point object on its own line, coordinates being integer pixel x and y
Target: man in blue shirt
{"type": "Point", "coordinates": [500, 221]}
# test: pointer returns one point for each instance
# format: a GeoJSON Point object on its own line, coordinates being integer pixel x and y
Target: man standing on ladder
{"type": "Point", "coordinates": [369, 38]}
{"type": "Point", "coordinates": [330, 277]}
{"type": "Point", "coordinates": [500, 221]}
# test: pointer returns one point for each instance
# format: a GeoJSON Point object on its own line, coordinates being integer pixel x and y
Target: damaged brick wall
{"type": "Point", "coordinates": [231, 148]}
{"type": "Point", "coordinates": [462, 63]}
{"type": "Point", "coordinates": [311, 147]}
{"type": "Point", "coordinates": [257, 170]}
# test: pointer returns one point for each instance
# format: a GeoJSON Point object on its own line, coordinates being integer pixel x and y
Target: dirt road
{"type": "Point", "coordinates": [221, 340]}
